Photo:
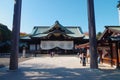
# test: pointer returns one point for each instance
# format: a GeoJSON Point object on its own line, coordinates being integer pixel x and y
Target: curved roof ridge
{"type": "Point", "coordinates": [58, 25]}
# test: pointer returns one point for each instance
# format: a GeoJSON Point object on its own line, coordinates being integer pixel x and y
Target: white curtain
{"type": "Point", "coordinates": [32, 46]}
{"type": "Point", "coordinates": [46, 45]}
{"type": "Point", "coordinates": [38, 46]}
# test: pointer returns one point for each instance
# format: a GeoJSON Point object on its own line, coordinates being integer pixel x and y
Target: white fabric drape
{"type": "Point", "coordinates": [46, 45]}
{"type": "Point", "coordinates": [32, 46]}
{"type": "Point", "coordinates": [38, 46]}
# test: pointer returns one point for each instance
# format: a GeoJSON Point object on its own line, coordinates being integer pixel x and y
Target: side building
{"type": "Point", "coordinates": [58, 38]}
{"type": "Point", "coordinates": [109, 46]}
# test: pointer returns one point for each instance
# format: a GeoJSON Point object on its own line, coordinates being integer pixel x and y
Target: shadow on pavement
{"type": "Point", "coordinates": [61, 73]}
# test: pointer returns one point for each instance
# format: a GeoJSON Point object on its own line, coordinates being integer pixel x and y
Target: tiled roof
{"type": "Point", "coordinates": [75, 31]}
{"type": "Point", "coordinates": [25, 37]}
{"type": "Point", "coordinates": [115, 29]}
{"type": "Point", "coordinates": [71, 31]}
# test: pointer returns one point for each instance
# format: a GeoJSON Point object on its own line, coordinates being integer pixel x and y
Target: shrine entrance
{"type": "Point", "coordinates": [16, 31]}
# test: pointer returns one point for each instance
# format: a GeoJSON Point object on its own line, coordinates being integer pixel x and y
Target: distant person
{"type": "Point", "coordinates": [98, 59]}
{"type": "Point", "coordinates": [24, 52]}
{"type": "Point", "coordinates": [52, 53]}
{"type": "Point", "coordinates": [80, 56]}
{"type": "Point", "coordinates": [87, 55]}
{"type": "Point", "coordinates": [84, 53]}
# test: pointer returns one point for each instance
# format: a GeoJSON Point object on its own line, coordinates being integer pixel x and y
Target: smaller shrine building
{"type": "Point", "coordinates": [109, 46]}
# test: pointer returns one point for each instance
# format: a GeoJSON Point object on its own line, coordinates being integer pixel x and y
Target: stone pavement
{"type": "Point", "coordinates": [58, 68]}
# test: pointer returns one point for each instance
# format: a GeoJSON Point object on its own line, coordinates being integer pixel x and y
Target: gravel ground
{"type": "Point", "coordinates": [58, 68]}
{"type": "Point", "coordinates": [5, 60]}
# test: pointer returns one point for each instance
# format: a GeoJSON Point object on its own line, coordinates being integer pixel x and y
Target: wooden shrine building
{"type": "Point", "coordinates": [58, 38]}
{"type": "Point", "coordinates": [109, 46]}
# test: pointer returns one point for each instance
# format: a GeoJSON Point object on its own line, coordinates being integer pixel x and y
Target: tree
{"type": "Point", "coordinates": [23, 34]}
{"type": "Point", "coordinates": [5, 39]}
{"type": "Point", "coordinates": [5, 33]}
{"type": "Point", "coordinates": [98, 35]}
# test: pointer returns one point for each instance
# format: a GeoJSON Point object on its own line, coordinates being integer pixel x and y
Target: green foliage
{"type": "Point", "coordinates": [23, 34]}
{"type": "Point", "coordinates": [5, 33]}
{"type": "Point", "coordinates": [118, 4]}
{"type": "Point", "coordinates": [98, 35]}
{"type": "Point", "coordinates": [5, 39]}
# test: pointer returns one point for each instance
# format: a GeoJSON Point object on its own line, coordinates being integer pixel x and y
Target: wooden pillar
{"type": "Point", "coordinates": [92, 35]}
{"type": "Point", "coordinates": [35, 47]}
{"type": "Point", "coordinates": [111, 54]}
{"type": "Point", "coordinates": [117, 56]}
{"type": "Point", "coordinates": [15, 35]}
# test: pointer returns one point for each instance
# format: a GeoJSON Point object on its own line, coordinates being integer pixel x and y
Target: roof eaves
{"type": "Point", "coordinates": [103, 34]}
{"type": "Point", "coordinates": [113, 28]}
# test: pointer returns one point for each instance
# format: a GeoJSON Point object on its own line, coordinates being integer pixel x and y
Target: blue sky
{"type": "Point", "coordinates": [67, 12]}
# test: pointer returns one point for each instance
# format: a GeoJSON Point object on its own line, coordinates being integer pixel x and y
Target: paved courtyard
{"type": "Point", "coordinates": [58, 68]}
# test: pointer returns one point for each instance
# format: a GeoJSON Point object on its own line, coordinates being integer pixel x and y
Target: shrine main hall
{"type": "Point", "coordinates": [58, 38]}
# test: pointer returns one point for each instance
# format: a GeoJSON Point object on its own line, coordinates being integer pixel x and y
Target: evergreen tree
{"type": "Point", "coordinates": [5, 33]}
{"type": "Point", "coordinates": [98, 35]}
